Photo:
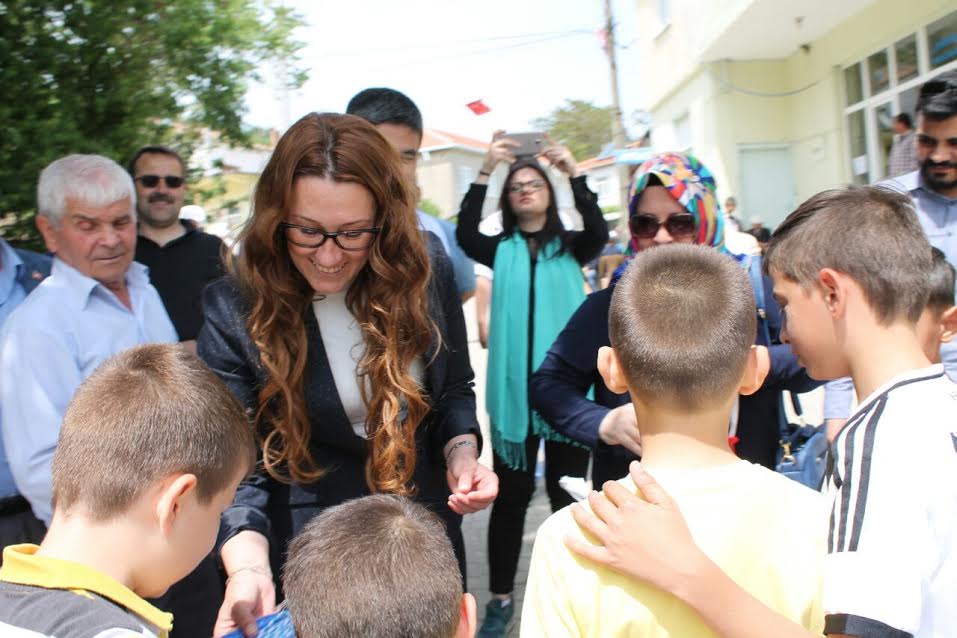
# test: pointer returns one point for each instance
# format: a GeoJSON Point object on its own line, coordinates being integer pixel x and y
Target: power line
{"type": "Point", "coordinates": [543, 36]}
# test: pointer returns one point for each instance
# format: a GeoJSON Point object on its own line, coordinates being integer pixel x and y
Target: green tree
{"type": "Point", "coordinates": [98, 76]}
{"type": "Point", "coordinates": [426, 205]}
{"type": "Point", "coordinates": [581, 126]}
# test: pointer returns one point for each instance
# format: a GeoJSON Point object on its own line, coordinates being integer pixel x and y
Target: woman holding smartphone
{"type": "Point", "coordinates": [538, 284]}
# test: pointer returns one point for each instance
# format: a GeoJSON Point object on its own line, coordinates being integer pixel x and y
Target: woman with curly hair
{"type": "Point", "coordinates": [341, 331]}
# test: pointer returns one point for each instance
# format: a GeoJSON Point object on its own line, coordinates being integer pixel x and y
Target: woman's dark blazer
{"type": "Point", "coordinates": [278, 510]}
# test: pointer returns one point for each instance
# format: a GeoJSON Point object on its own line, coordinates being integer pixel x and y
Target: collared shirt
{"type": "Point", "coordinates": [11, 294]}
{"type": "Point", "coordinates": [903, 156]}
{"type": "Point", "coordinates": [66, 328]}
{"type": "Point", "coordinates": [462, 266]}
{"type": "Point", "coordinates": [44, 596]}
{"type": "Point", "coordinates": [11, 291]}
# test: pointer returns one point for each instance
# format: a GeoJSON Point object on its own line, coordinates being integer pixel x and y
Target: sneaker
{"type": "Point", "coordinates": [498, 619]}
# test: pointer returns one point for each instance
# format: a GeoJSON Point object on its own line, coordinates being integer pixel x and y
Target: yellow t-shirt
{"type": "Point", "coordinates": [765, 531]}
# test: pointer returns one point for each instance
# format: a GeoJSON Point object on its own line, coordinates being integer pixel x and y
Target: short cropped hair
{"type": "Point", "coordinates": [92, 179]}
{"type": "Point", "coordinates": [145, 414]}
{"type": "Point", "coordinates": [942, 278]}
{"type": "Point", "coordinates": [154, 149]}
{"type": "Point", "coordinates": [868, 232]}
{"type": "Point", "coordinates": [904, 118]}
{"type": "Point", "coordinates": [386, 106]}
{"type": "Point", "coordinates": [379, 566]}
{"type": "Point", "coordinates": [682, 322]}
{"type": "Point", "coordinates": [937, 99]}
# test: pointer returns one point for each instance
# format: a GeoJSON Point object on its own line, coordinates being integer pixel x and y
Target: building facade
{"type": "Point", "coordinates": [784, 99]}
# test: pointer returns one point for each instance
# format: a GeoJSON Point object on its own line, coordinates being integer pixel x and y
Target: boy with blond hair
{"type": "Point", "coordinates": [682, 325]}
{"type": "Point", "coordinates": [152, 448]}
{"type": "Point", "coordinates": [852, 271]}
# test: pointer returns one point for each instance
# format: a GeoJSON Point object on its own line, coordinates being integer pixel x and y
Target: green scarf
{"type": "Point", "coordinates": [559, 290]}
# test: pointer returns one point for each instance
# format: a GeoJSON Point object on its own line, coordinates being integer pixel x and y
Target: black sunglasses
{"type": "Point", "coordinates": [309, 237]}
{"type": "Point", "coordinates": [152, 181]}
{"type": "Point", "coordinates": [646, 225]}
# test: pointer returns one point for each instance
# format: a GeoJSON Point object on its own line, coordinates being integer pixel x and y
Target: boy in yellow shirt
{"type": "Point", "coordinates": [853, 272]}
{"type": "Point", "coordinates": [152, 448]}
{"type": "Point", "coordinates": [682, 325]}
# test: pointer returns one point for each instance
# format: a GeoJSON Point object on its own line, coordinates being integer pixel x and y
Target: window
{"type": "Point", "coordinates": [879, 71]}
{"type": "Point", "coordinates": [664, 12]}
{"type": "Point", "coordinates": [859, 165]}
{"type": "Point", "coordinates": [683, 133]}
{"type": "Point", "coordinates": [854, 89]}
{"type": "Point", "coordinates": [906, 53]}
{"type": "Point", "coordinates": [886, 83]}
{"type": "Point", "coordinates": [942, 40]}
{"type": "Point", "coordinates": [885, 132]}
{"type": "Point", "coordinates": [464, 177]}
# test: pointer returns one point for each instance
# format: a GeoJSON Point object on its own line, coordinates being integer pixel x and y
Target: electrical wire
{"type": "Point", "coordinates": [725, 84]}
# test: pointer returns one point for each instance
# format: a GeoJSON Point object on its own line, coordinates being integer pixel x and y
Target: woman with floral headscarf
{"type": "Point", "coordinates": [672, 200]}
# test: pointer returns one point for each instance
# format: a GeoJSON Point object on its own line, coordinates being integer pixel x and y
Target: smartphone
{"type": "Point", "coordinates": [531, 143]}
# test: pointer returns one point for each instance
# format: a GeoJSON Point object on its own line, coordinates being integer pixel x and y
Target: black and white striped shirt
{"type": "Point", "coordinates": [891, 568]}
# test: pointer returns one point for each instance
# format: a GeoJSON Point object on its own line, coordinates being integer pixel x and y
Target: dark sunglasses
{"type": "Point", "coordinates": [646, 225]}
{"type": "Point", "coordinates": [152, 181]}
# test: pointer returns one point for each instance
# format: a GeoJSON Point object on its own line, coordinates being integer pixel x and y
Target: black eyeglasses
{"type": "Point", "coordinates": [534, 185]}
{"type": "Point", "coordinates": [152, 181]}
{"type": "Point", "coordinates": [309, 237]}
{"type": "Point", "coordinates": [678, 225]}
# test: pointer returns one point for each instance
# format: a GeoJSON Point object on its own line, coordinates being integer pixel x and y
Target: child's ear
{"type": "Point", "coordinates": [755, 370]}
{"type": "Point", "coordinates": [169, 507]}
{"type": "Point", "coordinates": [468, 617]}
{"type": "Point", "coordinates": [833, 288]}
{"type": "Point", "coordinates": [611, 371]}
{"type": "Point", "coordinates": [948, 325]}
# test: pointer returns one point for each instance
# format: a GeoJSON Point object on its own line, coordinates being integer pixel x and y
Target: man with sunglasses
{"type": "Point", "coordinates": [181, 258]}
{"type": "Point", "coordinates": [933, 189]}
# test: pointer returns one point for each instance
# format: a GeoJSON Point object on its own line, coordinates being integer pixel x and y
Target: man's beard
{"type": "Point", "coordinates": [933, 181]}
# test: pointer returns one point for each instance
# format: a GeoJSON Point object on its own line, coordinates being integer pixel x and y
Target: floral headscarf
{"type": "Point", "coordinates": [691, 184]}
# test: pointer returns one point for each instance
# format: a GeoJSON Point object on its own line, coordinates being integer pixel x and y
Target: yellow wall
{"type": "Point", "coordinates": [811, 122]}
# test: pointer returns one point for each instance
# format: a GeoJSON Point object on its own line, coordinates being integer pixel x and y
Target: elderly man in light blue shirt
{"type": "Point", "coordinates": [96, 303]}
{"type": "Point", "coordinates": [933, 189]}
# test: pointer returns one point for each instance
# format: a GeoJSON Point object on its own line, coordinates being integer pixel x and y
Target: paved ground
{"type": "Point", "coordinates": [475, 526]}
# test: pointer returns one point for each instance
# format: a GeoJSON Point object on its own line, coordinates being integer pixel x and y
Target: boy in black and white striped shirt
{"type": "Point", "coordinates": [852, 271]}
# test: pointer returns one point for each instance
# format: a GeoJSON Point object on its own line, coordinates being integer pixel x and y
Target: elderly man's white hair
{"type": "Point", "coordinates": [92, 179]}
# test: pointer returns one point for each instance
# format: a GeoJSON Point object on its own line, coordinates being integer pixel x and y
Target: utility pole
{"type": "Point", "coordinates": [617, 128]}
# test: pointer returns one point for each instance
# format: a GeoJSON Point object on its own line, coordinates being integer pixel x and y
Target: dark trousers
{"type": "Point", "coordinates": [194, 601]}
{"type": "Point", "coordinates": [515, 488]}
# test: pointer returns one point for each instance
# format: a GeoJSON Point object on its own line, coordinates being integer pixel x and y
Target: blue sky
{"type": "Point", "coordinates": [522, 57]}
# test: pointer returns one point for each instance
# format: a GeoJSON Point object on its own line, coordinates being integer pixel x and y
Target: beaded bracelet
{"type": "Point", "coordinates": [462, 443]}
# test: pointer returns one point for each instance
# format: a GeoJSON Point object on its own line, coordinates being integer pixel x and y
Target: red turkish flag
{"type": "Point", "coordinates": [478, 107]}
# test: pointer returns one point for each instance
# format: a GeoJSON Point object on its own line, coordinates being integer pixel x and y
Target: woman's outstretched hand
{"type": "Point", "coordinates": [644, 538]}
{"type": "Point", "coordinates": [473, 485]}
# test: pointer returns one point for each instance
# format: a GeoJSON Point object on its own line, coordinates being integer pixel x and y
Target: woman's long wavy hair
{"type": "Point", "coordinates": [388, 298]}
